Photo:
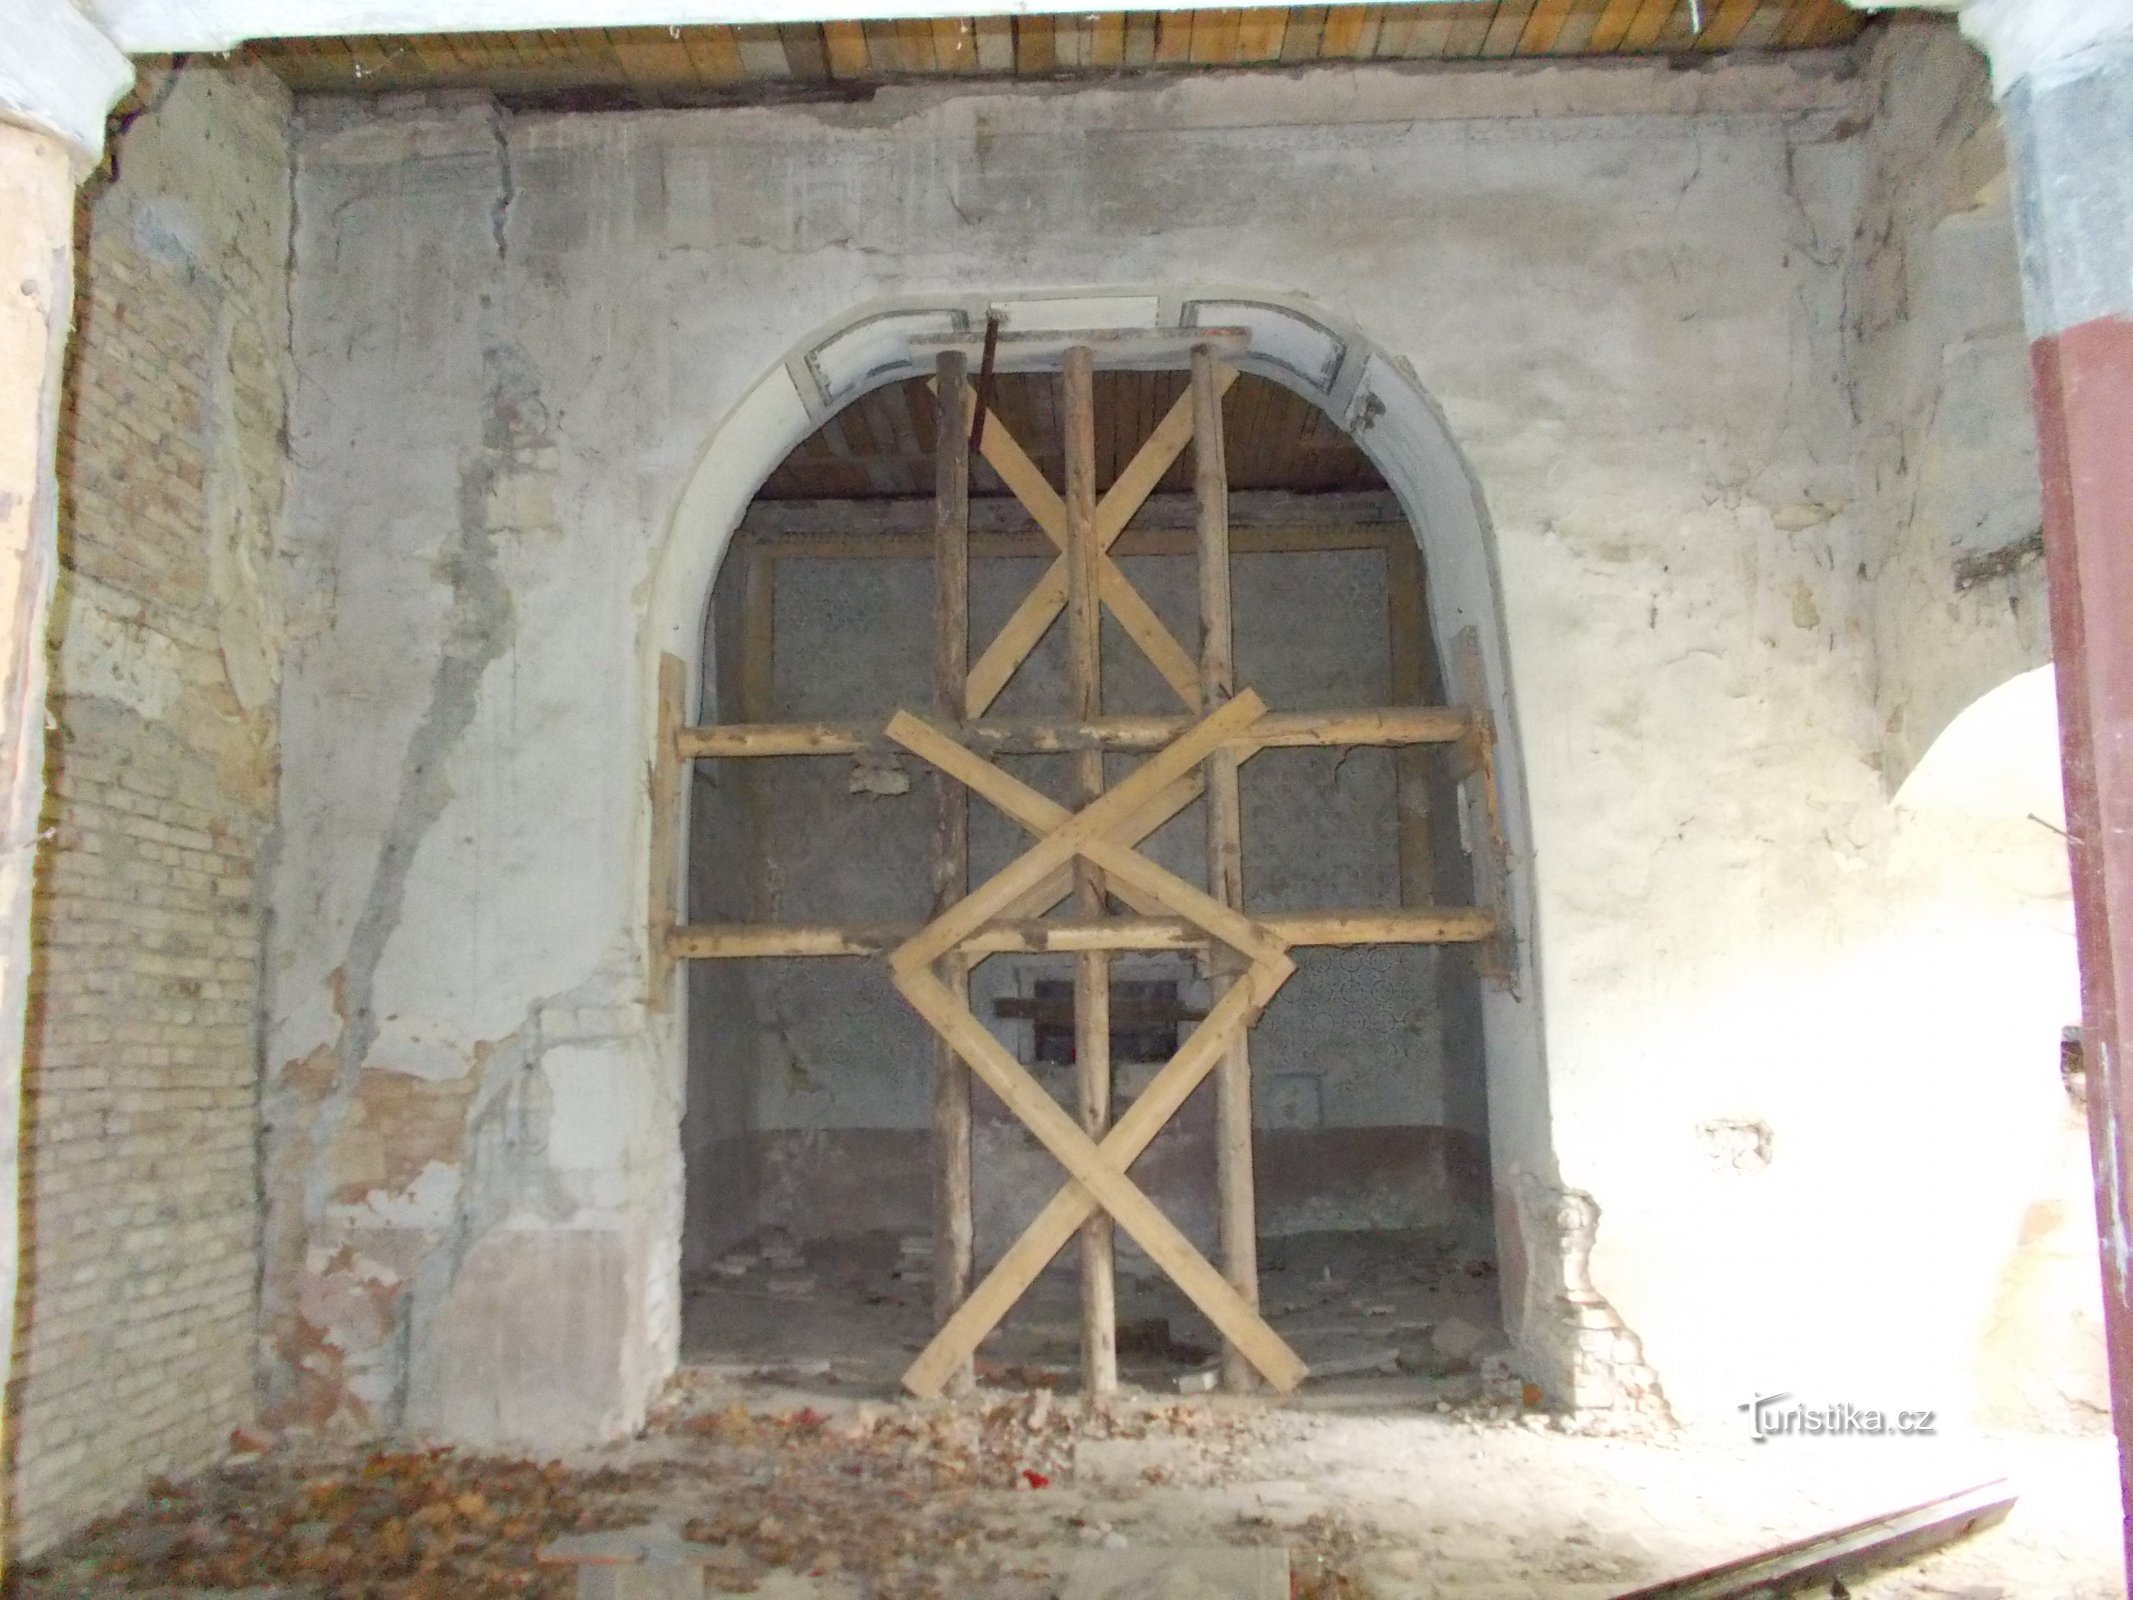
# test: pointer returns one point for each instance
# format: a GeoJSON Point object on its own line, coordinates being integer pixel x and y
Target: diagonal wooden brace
{"type": "Point", "coordinates": [1035, 615]}
{"type": "Point", "coordinates": [1104, 1183]}
{"type": "Point", "coordinates": [1119, 804]}
{"type": "Point", "coordinates": [1134, 878]}
{"type": "Point", "coordinates": [1011, 1276]}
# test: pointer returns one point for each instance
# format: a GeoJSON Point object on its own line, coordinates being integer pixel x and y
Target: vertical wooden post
{"type": "Point", "coordinates": [1236, 1204]}
{"type": "Point", "coordinates": [669, 789]}
{"type": "Point", "coordinates": [1092, 969]}
{"type": "Point", "coordinates": [953, 1234]}
{"type": "Point", "coordinates": [1408, 646]}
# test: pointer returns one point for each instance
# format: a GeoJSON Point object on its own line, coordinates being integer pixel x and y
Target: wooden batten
{"type": "Point", "coordinates": [1085, 571]}
{"type": "Point", "coordinates": [954, 1231]}
{"type": "Point", "coordinates": [1124, 735]}
{"type": "Point", "coordinates": [668, 787]}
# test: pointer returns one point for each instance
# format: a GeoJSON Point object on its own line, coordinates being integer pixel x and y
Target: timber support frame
{"type": "Point", "coordinates": [1088, 854]}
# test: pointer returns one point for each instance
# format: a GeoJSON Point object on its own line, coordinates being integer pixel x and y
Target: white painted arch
{"type": "Point", "coordinates": [1372, 392]}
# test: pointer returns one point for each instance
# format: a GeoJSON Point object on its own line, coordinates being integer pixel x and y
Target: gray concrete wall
{"type": "Point", "coordinates": [542, 364]}
{"type": "Point", "coordinates": [842, 1069]}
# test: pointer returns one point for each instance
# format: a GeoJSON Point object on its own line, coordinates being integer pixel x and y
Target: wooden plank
{"type": "Point", "coordinates": [1408, 672]}
{"type": "Point", "coordinates": [1032, 618]}
{"type": "Point", "coordinates": [955, 44]}
{"type": "Point", "coordinates": [1543, 26]}
{"type": "Point", "coordinates": [1092, 969]}
{"type": "Point", "coordinates": [1079, 833]}
{"type": "Point", "coordinates": [1330, 930]}
{"type": "Point", "coordinates": [1018, 1268]}
{"type": "Point", "coordinates": [1236, 1212]}
{"type": "Point", "coordinates": [1134, 878]}
{"type": "Point", "coordinates": [1215, 36]}
{"type": "Point", "coordinates": [1313, 515]}
{"type": "Point", "coordinates": [995, 44]}
{"type": "Point", "coordinates": [762, 51]}
{"type": "Point", "coordinates": [1107, 41]}
{"type": "Point", "coordinates": [1469, 32]}
{"type": "Point", "coordinates": [847, 46]}
{"type": "Point", "coordinates": [916, 35]}
{"type": "Point", "coordinates": [1378, 726]}
{"type": "Point", "coordinates": [1173, 38]}
{"type": "Point", "coordinates": [1341, 37]}
{"type": "Point", "coordinates": [1300, 40]}
{"type": "Point", "coordinates": [1822, 1562]}
{"type": "Point", "coordinates": [1724, 25]}
{"type": "Point", "coordinates": [1141, 28]}
{"type": "Point", "coordinates": [885, 48]}
{"type": "Point", "coordinates": [1614, 23]}
{"type": "Point", "coordinates": [1506, 29]}
{"type": "Point", "coordinates": [668, 785]}
{"type": "Point", "coordinates": [1112, 1189]}
{"type": "Point", "coordinates": [1645, 28]}
{"type": "Point", "coordinates": [1259, 33]}
{"type": "Point", "coordinates": [714, 54]}
{"type": "Point", "coordinates": [954, 1231]}
{"type": "Point", "coordinates": [1154, 540]}
{"type": "Point", "coordinates": [806, 50]}
{"type": "Point", "coordinates": [1035, 51]}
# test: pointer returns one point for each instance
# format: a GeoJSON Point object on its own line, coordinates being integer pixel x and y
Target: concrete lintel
{"type": "Point", "coordinates": [59, 73]}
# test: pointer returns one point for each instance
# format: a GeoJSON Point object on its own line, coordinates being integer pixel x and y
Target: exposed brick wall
{"type": "Point", "coordinates": [136, 1327]}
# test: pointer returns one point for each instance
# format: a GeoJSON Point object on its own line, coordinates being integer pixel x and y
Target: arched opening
{"type": "Point", "coordinates": [807, 1142]}
{"type": "Point", "coordinates": [1981, 820]}
{"type": "Point", "coordinates": [1484, 1123]}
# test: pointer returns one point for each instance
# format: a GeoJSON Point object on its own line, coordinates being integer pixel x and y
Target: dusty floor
{"type": "Point", "coordinates": [813, 1492]}
{"type": "Point", "coordinates": [1364, 1310]}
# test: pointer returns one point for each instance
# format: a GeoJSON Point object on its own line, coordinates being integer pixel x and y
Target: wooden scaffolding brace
{"type": "Point", "coordinates": [1089, 853]}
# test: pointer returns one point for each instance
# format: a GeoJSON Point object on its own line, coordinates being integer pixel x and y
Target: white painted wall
{"type": "Point", "coordinates": [1623, 285]}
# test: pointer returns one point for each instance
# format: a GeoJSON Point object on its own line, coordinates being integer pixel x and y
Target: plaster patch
{"type": "Point", "coordinates": [107, 649]}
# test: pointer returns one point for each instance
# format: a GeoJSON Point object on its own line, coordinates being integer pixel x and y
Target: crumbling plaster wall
{"type": "Point", "coordinates": [138, 1336]}
{"type": "Point", "coordinates": [1625, 285]}
{"type": "Point", "coordinates": [1363, 1118]}
{"type": "Point", "coordinates": [1952, 519]}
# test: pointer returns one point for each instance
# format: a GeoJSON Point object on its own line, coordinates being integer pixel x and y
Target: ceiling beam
{"type": "Point", "coordinates": [154, 27]}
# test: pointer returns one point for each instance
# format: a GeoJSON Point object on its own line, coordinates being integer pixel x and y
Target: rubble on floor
{"type": "Point", "coordinates": [808, 1492]}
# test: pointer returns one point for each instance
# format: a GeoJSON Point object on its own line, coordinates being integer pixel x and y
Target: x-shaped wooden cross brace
{"type": "Point", "coordinates": [1019, 636]}
{"type": "Point", "coordinates": [1098, 1171]}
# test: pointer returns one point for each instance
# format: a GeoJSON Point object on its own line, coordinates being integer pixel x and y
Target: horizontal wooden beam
{"type": "Point", "coordinates": [1041, 349]}
{"type": "Point", "coordinates": [708, 941]}
{"type": "Point", "coordinates": [1251, 510]}
{"type": "Point", "coordinates": [990, 736]}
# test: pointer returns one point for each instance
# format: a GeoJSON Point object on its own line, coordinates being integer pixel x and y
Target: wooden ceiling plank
{"type": "Point", "coordinates": [1614, 22]}
{"type": "Point", "coordinates": [1306, 31]}
{"type": "Point", "coordinates": [1544, 26]}
{"type": "Point", "coordinates": [846, 45]}
{"type": "Point", "coordinates": [1036, 55]}
{"type": "Point", "coordinates": [1645, 28]}
{"type": "Point", "coordinates": [916, 36]}
{"type": "Point", "coordinates": [1429, 35]}
{"type": "Point", "coordinates": [1073, 48]}
{"type": "Point", "coordinates": [996, 44]}
{"type": "Point", "coordinates": [652, 63]}
{"type": "Point", "coordinates": [807, 49]}
{"type": "Point", "coordinates": [1829, 22]}
{"type": "Point", "coordinates": [1173, 38]}
{"type": "Point", "coordinates": [1507, 28]}
{"type": "Point", "coordinates": [1107, 44]}
{"type": "Point", "coordinates": [1141, 29]}
{"type": "Point", "coordinates": [1397, 31]}
{"type": "Point", "coordinates": [885, 50]}
{"type": "Point", "coordinates": [1725, 23]}
{"type": "Point", "coordinates": [714, 54]}
{"type": "Point", "coordinates": [762, 51]}
{"type": "Point", "coordinates": [1576, 35]}
{"type": "Point", "coordinates": [1259, 31]}
{"type": "Point", "coordinates": [1351, 33]}
{"type": "Point", "coordinates": [1470, 31]}
{"type": "Point", "coordinates": [1215, 37]}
